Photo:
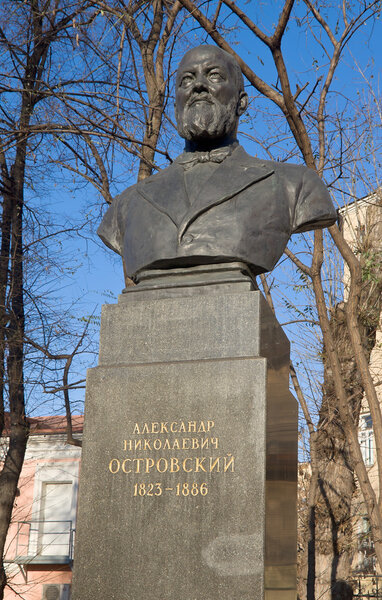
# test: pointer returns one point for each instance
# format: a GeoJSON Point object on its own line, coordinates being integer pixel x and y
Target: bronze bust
{"type": "Point", "coordinates": [214, 203]}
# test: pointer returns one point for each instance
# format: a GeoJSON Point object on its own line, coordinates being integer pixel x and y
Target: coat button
{"type": "Point", "coordinates": [187, 239]}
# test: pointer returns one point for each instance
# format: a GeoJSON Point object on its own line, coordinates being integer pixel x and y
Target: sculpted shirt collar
{"type": "Point", "coordinates": [216, 155]}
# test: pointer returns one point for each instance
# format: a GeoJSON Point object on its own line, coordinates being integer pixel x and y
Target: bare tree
{"type": "Point", "coordinates": [146, 28]}
{"type": "Point", "coordinates": [38, 26]}
{"type": "Point", "coordinates": [347, 327]}
{"type": "Point", "coordinates": [74, 99]}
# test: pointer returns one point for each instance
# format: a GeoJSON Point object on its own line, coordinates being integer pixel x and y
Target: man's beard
{"type": "Point", "coordinates": [207, 119]}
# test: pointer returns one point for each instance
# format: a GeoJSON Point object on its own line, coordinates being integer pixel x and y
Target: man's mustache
{"type": "Point", "coordinates": [201, 97]}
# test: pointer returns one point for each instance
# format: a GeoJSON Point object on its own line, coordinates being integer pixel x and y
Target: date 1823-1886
{"type": "Point", "coordinates": [181, 489]}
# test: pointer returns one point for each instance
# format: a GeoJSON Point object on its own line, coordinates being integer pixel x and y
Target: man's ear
{"type": "Point", "coordinates": [242, 103]}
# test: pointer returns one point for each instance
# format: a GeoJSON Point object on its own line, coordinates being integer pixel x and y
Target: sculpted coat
{"type": "Point", "coordinates": [246, 210]}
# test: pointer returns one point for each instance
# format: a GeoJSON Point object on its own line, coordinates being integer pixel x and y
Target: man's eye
{"type": "Point", "coordinates": [186, 80]}
{"type": "Point", "coordinates": [215, 76]}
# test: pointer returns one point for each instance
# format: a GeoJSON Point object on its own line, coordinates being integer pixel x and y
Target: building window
{"type": "Point", "coordinates": [366, 552]}
{"type": "Point", "coordinates": [366, 439]}
{"type": "Point", "coordinates": [55, 518]}
{"type": "Point", "coordinates": [52, 522]}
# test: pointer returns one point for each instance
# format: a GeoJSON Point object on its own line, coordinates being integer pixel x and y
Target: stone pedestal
{"type": "Point", "coordinates": [188, 481]}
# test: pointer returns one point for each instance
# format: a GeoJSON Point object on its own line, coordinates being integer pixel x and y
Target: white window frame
{"type": "Point", "coordinates": [366, 439]}
{"type": "Point", "coordinates": [57, 472]}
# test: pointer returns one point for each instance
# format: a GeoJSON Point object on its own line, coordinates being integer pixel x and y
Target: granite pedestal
{"type": "Point", "coordinates": [188, 480]}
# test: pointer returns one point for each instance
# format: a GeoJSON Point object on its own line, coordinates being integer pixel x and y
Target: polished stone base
{"type": "Point", "coordinates": [188, 481]}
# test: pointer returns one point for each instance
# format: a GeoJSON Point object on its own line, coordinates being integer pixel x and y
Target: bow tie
{"type": "Point", "coordinates": [217, 155]}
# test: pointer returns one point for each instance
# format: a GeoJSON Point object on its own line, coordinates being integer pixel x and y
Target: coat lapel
{"type": "Point", "coordinates": [237, 172]}
{"type": "Point", "coordinates": [166, 190]}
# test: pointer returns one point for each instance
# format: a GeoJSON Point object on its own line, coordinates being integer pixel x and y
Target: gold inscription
{"type": "Point", "coordinates": [173, 427]}
{"type": "Point", "coordinates": [181, 489]}
{"type": "Point", "coordinates": [158, 448]}
{"type": "Point", "coordinates": [186, 443]}
{"type": "Point", "coordinates": [190, 464]}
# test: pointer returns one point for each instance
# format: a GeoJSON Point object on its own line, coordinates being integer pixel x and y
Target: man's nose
{"type": "Point", "coordinates": [200, 84]}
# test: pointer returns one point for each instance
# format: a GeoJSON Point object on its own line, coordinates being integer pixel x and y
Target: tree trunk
{"type": "Point", "coordinates": [18, 427]}
{"type": "Point", "coordinates": [330, 519]}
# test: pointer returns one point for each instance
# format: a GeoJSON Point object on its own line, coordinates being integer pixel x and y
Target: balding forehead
{"type": "Point", "coordinates": [202, 53]}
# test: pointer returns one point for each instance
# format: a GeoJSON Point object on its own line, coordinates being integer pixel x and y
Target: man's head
{"type": "Point", "coordinates": [210, 95]}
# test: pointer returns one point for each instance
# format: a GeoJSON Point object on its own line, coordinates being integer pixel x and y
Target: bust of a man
{"type": "Point", "coordinates": [214, 203]}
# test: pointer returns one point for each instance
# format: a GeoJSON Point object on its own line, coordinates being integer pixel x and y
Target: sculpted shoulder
{"type": "Point", "coordinates": [290, 172]}
{"type": "Point", "coordinates": [139, 188]}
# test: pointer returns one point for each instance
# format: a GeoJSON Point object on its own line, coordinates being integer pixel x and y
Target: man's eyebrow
{"type": "Point", "coordinates": [209, 67]}
{"type": "Point", "coordinates": [216, 66]}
